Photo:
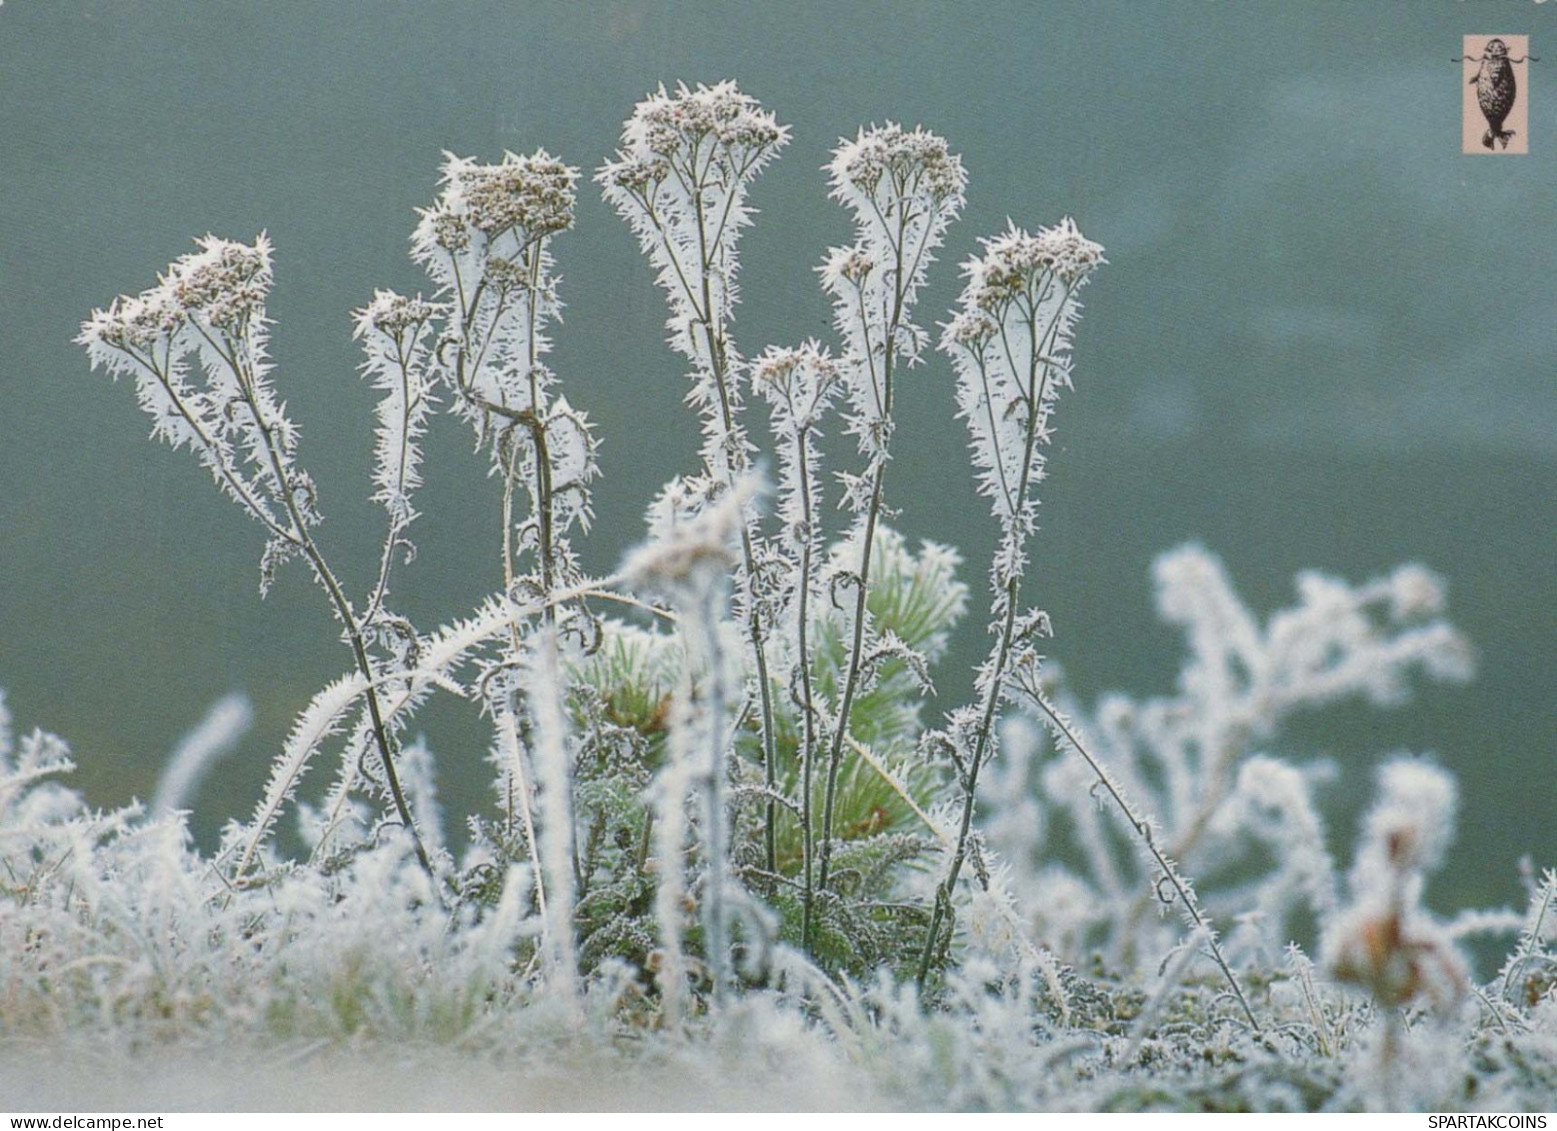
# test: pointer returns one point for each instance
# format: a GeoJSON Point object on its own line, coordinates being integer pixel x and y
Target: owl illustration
{"type": "Point", "coordinates": [1496, 91]}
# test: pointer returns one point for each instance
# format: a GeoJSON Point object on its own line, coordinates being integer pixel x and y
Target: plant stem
{"type": "Point", "coordinates": [1038, 374]}
{"type": "Point", "coordinates": [1142, 829]}
{"type": "Point", "coordinates": [807, 702]}
{"type": "Point", "coordinates": [719, 364]}
{"type": "Point", "coordinates": [287, 490]}
{"type": "Point", "coordinates": [883, 391]}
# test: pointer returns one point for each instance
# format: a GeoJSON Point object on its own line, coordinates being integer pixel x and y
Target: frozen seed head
{"type": "Point", "coordinates": [132, 322]}
{"type": "Point", "coordinates": [971, 329]}
{"type": "Point", "coordinates": [534, 194]}
{"type": "Point", "coordinates": [635, 173]}
{"type": "Point", "coordinates": [449, 228]}
{"type": "Point", "coordinates": [780, 367]}
{"type": "Point", "coordinates": [533, 197]}
{"type": "Point", "coordinates": [848, 264]}
{"type": "Point", "coordinates": [505, 273]}
{"type": "Point", "coordinates": [904, 161]}
{"type": "Point", "coordinates": [671, 124]}
{"type": "Point", "coordinates": [223, 283]}
{"type": "Point", "coordinates": [393, 314]}
{"type": "Point", "coordinates": [1016, 263]}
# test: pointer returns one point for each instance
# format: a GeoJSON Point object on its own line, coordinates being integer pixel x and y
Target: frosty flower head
{"type": "Point", "coordinates": [668, 125]}
{"type": "Point", "coordinates": [533, 194]}
{"type": "Point", "coordinates": [224, 282]}
{"type": "Point", "coordinates": [889, 163]}
{"type": "Point", "coordinates": [784, 368]}
{"type": "Point", "coordinates": [636, 173]}
{"type": "Point", "coordinates": [711, 134]}
{"type": "Point", "coordinates": [1017, 264]}
{"type": "Point", "coordinates": [449, 229]}
{"type": "Point", "coordinates": [851, 264]}
{"type": "Point", "coordinates": [799, 383]}
{"type": "Point", "coordinates": [532, 197]}
{"type": "Point", "coordinates": [971, 329]}
{"type": "Point", "coordinates": [505, 273]}
{"type": "Point", "coordinates": [135, 322]}
{"type": "Point", "coordinates": [393, 314]}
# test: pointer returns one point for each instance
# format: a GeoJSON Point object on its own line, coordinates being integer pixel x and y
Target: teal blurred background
{"type": "Point", "coordinates": [1325, 338]}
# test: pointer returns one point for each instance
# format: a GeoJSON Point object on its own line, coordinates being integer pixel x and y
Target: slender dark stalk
{"type": "Point", "coordinates": [807, 702]}
{"type": "Point", "coordinates": [868, 539]}
{"type": "Point", "coordinates": [1037, 392]}
{"type": "Point", "coordinates": [287, 490]}
{"type": "Point", "coordinates": [719, 363]}
{"type": "Point", "coordinates": [1165, 866]}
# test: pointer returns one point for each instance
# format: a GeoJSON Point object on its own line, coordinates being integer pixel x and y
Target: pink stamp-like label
{"type": "Point", "coordinates": [1495, 94]}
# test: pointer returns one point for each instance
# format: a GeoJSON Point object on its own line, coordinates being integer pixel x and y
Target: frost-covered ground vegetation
{"type": "Point", "coordinates": [731, 855]}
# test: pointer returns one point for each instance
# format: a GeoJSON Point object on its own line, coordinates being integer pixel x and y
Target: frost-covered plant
{"type": "Point", "coordinates": [208, 311]}
{"type": "Point", "coordinates": [680, 180]}
{"type": "Point", "coordinates": [904, 188]}
{"type": "Point", "coordinates": [1010, 341]}
{"type": "Point", "coordinates": [1199, 768]}
{"type": "Point", "coordinates": [721, 812]}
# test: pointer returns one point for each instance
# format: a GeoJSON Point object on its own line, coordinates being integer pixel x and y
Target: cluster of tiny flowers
{"type": "Point", "coordinates": [910, 159]}
{"type": "Point", "coordinates": [133, 322]}
{"type": "Point", "coordinates": [393, 314]}
{"type": "Point", "coordinates": [449, 228]}
{"type": "Point", "coordinates": [1016, 262]}
{"type": "Point", "coordinates": [666, 128]}
{"type": "Point", "coordinates": [971, 328]}
{"type": "Point", "coordinates": [532, 193]}
{"type": "Point", "coordinates": [224, 282]}
{"type": "Point", "coordinates": [851, 263]}
{"type": "Point", "coordinates": [672, 123]}
{"type": "Point", "coordinates": [531, 196]}
{"type": "Point", "coordinates": [777, 366]}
